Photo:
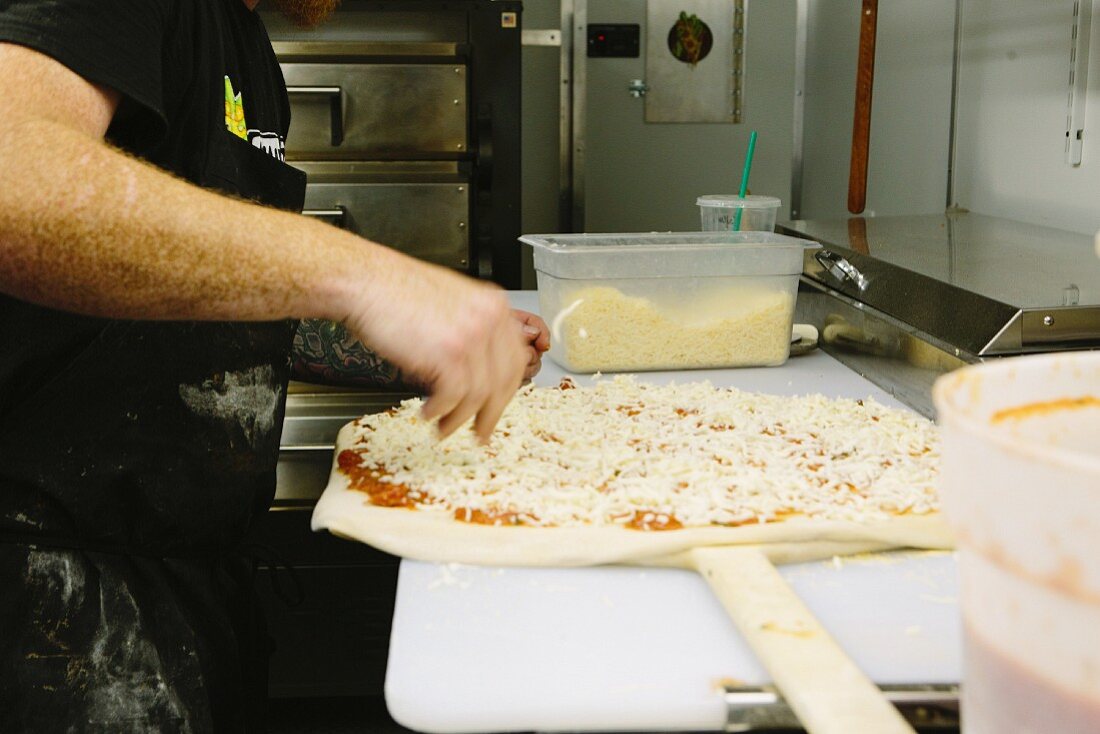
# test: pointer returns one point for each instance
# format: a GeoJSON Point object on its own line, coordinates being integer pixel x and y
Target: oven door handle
{"type": "Point", "coordinates": [338, 215]}
{"type": "Point", "coordinates": [336, 107]}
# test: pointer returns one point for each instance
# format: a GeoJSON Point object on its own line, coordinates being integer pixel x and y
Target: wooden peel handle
{"type": "Point", "coordinates": [821, 684]}
{"type": "Point", "coordinates": [861, 124]}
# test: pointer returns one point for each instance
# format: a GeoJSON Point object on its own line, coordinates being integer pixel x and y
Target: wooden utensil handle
{"type": "Point", "coordinates": [824, 688]}
{"type": "Point", "coordinates": [861, 124]}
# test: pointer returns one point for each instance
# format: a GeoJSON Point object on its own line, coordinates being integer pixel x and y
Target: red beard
{"type": "Point", "coordinates": [306, 13]}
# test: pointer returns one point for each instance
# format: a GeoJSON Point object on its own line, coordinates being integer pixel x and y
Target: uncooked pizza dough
{"type": "Point", "coordinates": [628, 472]}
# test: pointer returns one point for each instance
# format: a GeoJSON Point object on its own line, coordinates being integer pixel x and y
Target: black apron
{"type": "Point", "coordinates": [126, 600]}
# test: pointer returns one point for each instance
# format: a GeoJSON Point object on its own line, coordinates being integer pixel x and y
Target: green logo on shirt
{"type": "Point", "coordinates": [234, 112]}
{"type": "Point", "coordinates": [271, 143]}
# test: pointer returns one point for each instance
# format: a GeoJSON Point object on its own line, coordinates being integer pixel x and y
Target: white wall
{"type": "Point", "coordinates": [910, 120]}
{"type": "Point", "coordinates": [1012, 116]}
{"type": "Point", "coordinates": [1013, 99]}
{"type": "Point", "coordinates": [1011, 132]}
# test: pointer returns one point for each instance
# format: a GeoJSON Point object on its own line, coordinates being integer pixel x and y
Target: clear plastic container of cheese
{"type": "Point", "coordinates": [668, 301]}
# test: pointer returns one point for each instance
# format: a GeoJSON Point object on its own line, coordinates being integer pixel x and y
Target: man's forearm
{"type": "Point", "coordinates": [86, 228]}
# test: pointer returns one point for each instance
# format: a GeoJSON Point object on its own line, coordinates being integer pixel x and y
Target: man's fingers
{"type": "Point", "coordinates": [462, 343]}
{"type": "Point", "coordinates": [534, 328]}
{"type": "Point", "coordinates": [506, 364]}
{"type": "Point", "coordinates": [490, 413]}
{"type": "Point", "coordinates": [510, 370]}
{"type": "Point", "coordinates": [446, 394]}
{"type": "Point", "coordinates": [475, 380]}
{"type": "Point", "coordinates": [534, 364]}
{"type": "Point", "coordinates": [464, 411]}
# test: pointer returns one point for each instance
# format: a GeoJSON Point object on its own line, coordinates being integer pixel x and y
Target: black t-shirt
{"type": "Point", "coordinates": [104, 423]}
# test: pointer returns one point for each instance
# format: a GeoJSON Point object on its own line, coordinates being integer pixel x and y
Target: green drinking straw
{"type": "Point", "coordinates": [745, 179]}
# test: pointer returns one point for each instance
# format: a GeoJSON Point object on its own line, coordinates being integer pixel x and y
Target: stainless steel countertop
{"type": "Point", "coordinates": [973, 285]}
{"type": "Point", "coordinates": [1018, 264]}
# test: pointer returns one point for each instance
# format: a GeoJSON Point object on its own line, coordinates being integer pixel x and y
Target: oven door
{"type": "Point", "coordinates": [421, 208]}
{"type": "Point", "coordinates": [376, 110]}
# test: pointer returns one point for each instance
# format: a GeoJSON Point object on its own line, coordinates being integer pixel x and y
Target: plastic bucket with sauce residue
{"type": "Point", "coordinates": [1020, 484]}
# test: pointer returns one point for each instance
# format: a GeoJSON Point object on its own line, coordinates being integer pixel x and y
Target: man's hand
{"type": "Point", "coordinates": [328, 354]}
{"type": "Point", "coordinates": [537, 334]}
{"type": "Point", "coordinates": [454, 335]}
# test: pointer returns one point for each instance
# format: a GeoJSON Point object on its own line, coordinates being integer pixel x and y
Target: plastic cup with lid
{"type": "Point", "coordinates": [719, 212]}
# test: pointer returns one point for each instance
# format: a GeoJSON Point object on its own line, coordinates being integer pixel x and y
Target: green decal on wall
{"type": "Point", "coordinates": [690, 39]}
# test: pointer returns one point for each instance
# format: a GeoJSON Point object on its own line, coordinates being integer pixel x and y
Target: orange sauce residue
{"type": "Point", "coordinates": [368, 479]}
{"type": "Point", "coordinates": [481, 517]}
{"type": "Point", "coordinates": [750, 520]}
{"type": "Point", "coordinates": [646, 520]}
{"type": "Point", "coordinates": [1020, 412]}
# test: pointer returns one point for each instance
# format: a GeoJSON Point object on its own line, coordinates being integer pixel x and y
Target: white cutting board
{"type": "Point", "coordinates": [476, 649]}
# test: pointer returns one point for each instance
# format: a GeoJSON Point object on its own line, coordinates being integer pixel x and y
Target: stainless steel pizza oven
{"type": "Point", "coordinates": [406, 123]}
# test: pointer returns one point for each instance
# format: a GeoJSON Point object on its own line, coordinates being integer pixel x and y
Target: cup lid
{"type": "Point", "coordinates": [733, 201]}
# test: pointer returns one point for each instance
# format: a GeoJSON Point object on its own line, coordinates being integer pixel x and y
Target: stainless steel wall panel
{"type": "Point", "coordinates": [386, 110]}
{"type": "Point", "coordinates": [709, 89]}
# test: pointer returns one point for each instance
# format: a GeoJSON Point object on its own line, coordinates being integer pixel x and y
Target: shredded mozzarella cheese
{"type": "Point", "coordinates": [622, 450]}
{"type": "Point", "coordinates": [602, 328]}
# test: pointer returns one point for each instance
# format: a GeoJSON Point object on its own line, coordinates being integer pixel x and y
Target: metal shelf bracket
{"type": "Point", "coordinates": [1078, 80]}
{"type": "Point", "coordinates": [929, 707]}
